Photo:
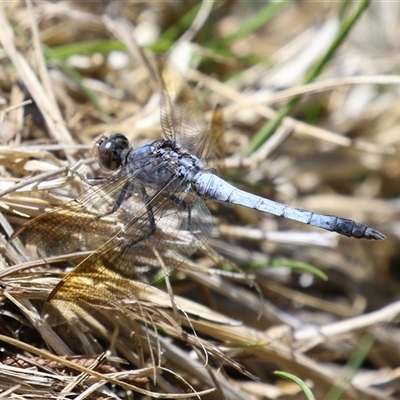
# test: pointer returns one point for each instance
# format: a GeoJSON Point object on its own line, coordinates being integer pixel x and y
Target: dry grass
{"type": "Point", "coordinates": [337, 153]}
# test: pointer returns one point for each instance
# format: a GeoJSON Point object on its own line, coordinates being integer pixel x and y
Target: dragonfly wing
{"type": "Point", "coordinates": [83, 223]}
{"type": "Point", "coordinates": [212, 147]}
{"type": "Point", "coordinates": [165, 230]}
{"type": "Point", "coordinates": [182, 116]}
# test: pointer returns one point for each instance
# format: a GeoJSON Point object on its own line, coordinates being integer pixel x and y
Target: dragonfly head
{"type": "Point", "coordinates": [109, 151]}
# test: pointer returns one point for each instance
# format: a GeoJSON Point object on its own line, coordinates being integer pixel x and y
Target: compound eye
{"type": "Point", "coordinates": [109, 151]}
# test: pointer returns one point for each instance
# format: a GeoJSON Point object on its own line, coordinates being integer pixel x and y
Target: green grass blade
{"type": "Point", "coordinates": [298, 265]}
{"type": "Point", "coordinates": [76, 76]}
{"type": "Point", "coordinates": [298, 381]}
{"type": "Point", "coordinates": [254, 23]}
{"type": "Point", "coordinates": [352, 366]}
{"type": "Point", "coordinates": [269, 128]}
{"type": "Point", "coordinates": [174, 31]}
{"type": "Point", "coordinates": [89, 47]}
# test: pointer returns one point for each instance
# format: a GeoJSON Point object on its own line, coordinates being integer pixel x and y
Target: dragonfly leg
{"type": "Point", "coordinates": [125, 193]}
{"type": "Point", "coordinates": [84, 178]}
{"type": "Point", "coordinates": [151, 219]}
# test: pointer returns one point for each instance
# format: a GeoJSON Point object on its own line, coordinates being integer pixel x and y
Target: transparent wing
{"type": "Point", "coordinates": [182, 116]}
{"type": "Point", "coordinates": [83, 223]}
{"type": "Point", "coordinates": [165, 230]}
{"type": "Point", "coordinates": [212, 148]}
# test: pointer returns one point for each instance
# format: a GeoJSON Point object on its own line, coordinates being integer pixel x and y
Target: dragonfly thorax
{"type": "Point", "coordinates": [161, 163]}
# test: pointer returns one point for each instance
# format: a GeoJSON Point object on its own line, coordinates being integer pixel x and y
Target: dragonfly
{"type": "Point", "coordinates": [148, 215]}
